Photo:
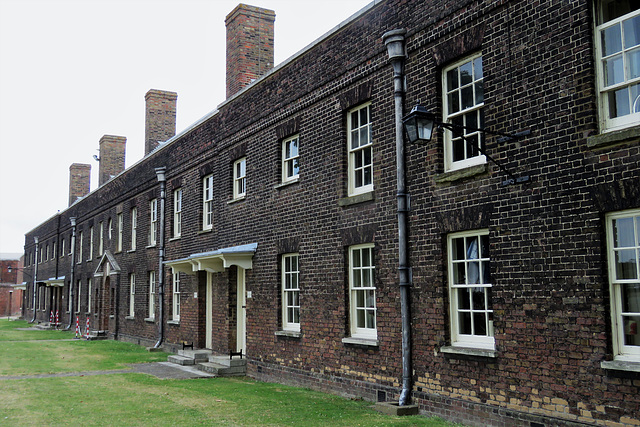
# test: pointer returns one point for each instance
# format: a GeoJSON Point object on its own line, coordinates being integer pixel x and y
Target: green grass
{"type": "Point", "coordinates": [9, 332]}
{"type": "Point", "coordinates": [135, 399]}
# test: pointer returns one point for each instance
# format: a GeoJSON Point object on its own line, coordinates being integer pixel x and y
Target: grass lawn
{"type": "Point", "coordinates": [135, 399]}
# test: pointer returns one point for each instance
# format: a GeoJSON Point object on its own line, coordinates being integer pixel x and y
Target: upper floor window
{"type": "Point", "coordinates": [54, 254]}
{"type": "Point", "coordinates": [471, 310]}
{"type": "Point", "coordinates": [90, 244]}
{"type": "Point", "coordinates": [623, 247]}
{"type": "Point", "coordinates": [80, 239]}
{"type": "Point", "coordinates": [463, 101]}
{"type": "Point", "coordinates": [207, 202]}
{"type": "Point", "coordinates": [110, 229]}
{"type": "Point", "coordinates": [153, 222]}
{"type": "Point", "coordinates": [120, 226]}
{"type": "Point", "coordinates": [360, 148]}
{"type": "Point", "coordinates": [62, 247]}
{"type": "Point", "coordinates": [177, 213]}
{"type": "Point", "coordinates": [618, 63]}
{"type": "Point", "coordinates": [134, 228]}
{"type": "Point", "coordinates": [362, 292]}
{"type": "Point", "coordinates": [176, 297]}
{"type": "Point", "coordinates": [290, 167]}
{"type": "Point", "coordinates": [240, 178]}
{"type": "Point", "coordinates": [290, 293]}
{"type": "Point", "coordinates": [101, 239]}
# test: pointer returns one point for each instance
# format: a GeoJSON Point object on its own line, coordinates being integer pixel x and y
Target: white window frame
{"type": "Point", "coordinates": [90, 243]}
{"type": "Point", "coordinates": [360, 150]}
{"type": "Point", "coordinates": [240, 178]}
{"type": "Point", "coordinates": [177, 213]}
{"type": "Point", "coordinates": [473, 257]}
{"type": "Point", "coordinates": [291, 292]}
{"type": "Point", "coordinates": [120, 227]}
{"type": "Point", "coordinates": [54, 254]}
{"type": "Point", "coordinates": [134, 228]}
{"type": "Point", "coordinates": [291, 159]}
{"type": "Point", "coordinates": [89, 296]}
{"type": "Point", "coordinates": [78, 296]}
{"type": "Point", "coordinates": [175, 299]}
{"type": "Point", "coordinates": [454, 111]}
{"type": "Point", "coordinates": [80, 247]}
{"type": "Point", "coordinates": [110, 229]}
{"type": "Point", "coordinates": [622, 82]}
{"type": "Point", "coordinates": [153, 222]}
{"type": "Point", "coordinates": [62, 247]}
{"type": "Point", "coordinates": [619, 311]}
{"type": "Point", "coordinates": [152, 294]}
{"type": "Point", "coordinates": [362, 292]}
{"type": "Point", "coordinates": [132, 294]}
{"type": "Point", "coordinates": [207, 202]}
{"type": "Point", "coordinates": [101, 239]}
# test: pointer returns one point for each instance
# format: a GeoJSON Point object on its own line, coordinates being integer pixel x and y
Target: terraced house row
{"type": "Point", "coordinates": [489, 273]}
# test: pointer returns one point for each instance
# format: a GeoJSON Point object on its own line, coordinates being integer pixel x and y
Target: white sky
{"type": "Point", "coordinates": [72, 71]}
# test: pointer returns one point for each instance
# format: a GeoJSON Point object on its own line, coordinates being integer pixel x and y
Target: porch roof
{"type": "Point", "coordinates": [54, 281]}
{"type": "Point", "coordinates": [215, 261]}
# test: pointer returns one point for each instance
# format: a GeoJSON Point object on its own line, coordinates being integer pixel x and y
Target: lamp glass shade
{"type": "Point", "coordinates": [419, 125]}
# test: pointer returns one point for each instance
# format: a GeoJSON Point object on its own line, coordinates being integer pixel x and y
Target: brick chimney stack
{"type": "Point", "coordinates": [249, 45]}
{"type": "Point", "coordinates": [79, 180]}
{"type": "Point", "coordinates": [112, 151]}
{"type": "Point", "coordinates": [160, 118]}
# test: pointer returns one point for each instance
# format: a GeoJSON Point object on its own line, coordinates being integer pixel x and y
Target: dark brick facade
{"type": "Point", "coordinates": [550, 293]}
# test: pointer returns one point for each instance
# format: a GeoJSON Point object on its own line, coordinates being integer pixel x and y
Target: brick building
{"type": "Point", "coordinates": [271, 226]}
{"type": "Point", "coordinates": [11, 287]}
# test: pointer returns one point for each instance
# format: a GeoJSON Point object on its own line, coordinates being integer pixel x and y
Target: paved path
{"type": "Point", "coordinates": [162, 370]}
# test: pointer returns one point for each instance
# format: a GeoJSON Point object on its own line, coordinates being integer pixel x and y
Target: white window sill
{"type": "Point", "coordinates": [370, 342]}
{"type": "Point", "coordinates": [173, 322]}
{"type": "Point", "coordinates": [206, 230]}
{"type": "Point", "coordinates": [175, 238]}
{"type": "Point", "coordinates": [614, 137]}
{"type": "Point", "coordinates": [130, 317]}
{"type": "Point", "coordinates": [236, 200]}
{"type": "Point", "coordinates": [357, 198]}
{"type": "Point", "coordinates": [469, 351]}
{"type": "Point", "coordinates": [130, 251]}
{"type": "Point", "coordinates": [457, 174]}
{"type": "Point", "coordinates": [621, 365]}
{"type": "Point", "coordinates": [150, 319]}
{"type": "Point", "coordinates": [286, 183]}
{"type": "Point", "coordinates": [290, 334]}
{"type": "Point", "coordinates": [151, 246]}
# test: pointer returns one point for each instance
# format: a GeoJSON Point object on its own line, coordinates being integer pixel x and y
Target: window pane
{"type": "Point", "coordinates": [623, 232]}
{"type": "Point", "coordinates": [625, 260]}
{"type": "Point", "coordinates": [452, 79]}
{"type": "Point", "coordinates": [467, 97]}
{"type": "Point", "coordinates": [611, 40]}
{"type": "Point", "coordinates": [477, 64]}
{"type": "Point", "coordinates": [631, 297]}
{"type": "Point", "coordinates": [631, 32]}
{"type": "Point", "coordinates": [364, 135]}
{"type": "Point", "coordinates": [484, 246]}
{"type": "Point", "coordinates": [459, 274]}
{"type": "Point", "coordinates": [463, 299]}
{"type": "Point", "coordinates": [613, 70]}
{"type": "Point", "coordinates": [354, 120]}
{"type": "Point", "coordinates": [355, 142]}
{"type": "Point", "coordinates": [479, 92]}
{"type": "Point", "coordinates": [633, 58]}
{"type": "Point", "coordinates": [464, 323]}
{"type": "Point", "coordinates": [458, 248]}
{"type": "Point", "coordinates": [360, 321]}
{"type": "Point", "coordinates": [619, 103]}
{"type": "Point", "coordinates": [459, 149]}
{"type": "Point", "coordinates": [466, 74]}
{"type": "Point", "coordinates": [630, 327]}
{"type": "Point", "coordinates": [635, 98]}
{"type": "Point", "coordinates": [472, 248]}
{"type": "Point", "coordinates": [477, 296]}
{"type": "Point", "coordinates": [371, 319]}
{"type": "Point", "coordinates": [454, 104]}
{"type": "Point", "coordinates": [480, 323]}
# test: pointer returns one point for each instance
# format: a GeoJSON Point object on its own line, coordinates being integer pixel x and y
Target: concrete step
{"type": "Point", "coordinates": [197, 355]}
{"type": "Point", "coordinates": [181, 360]}
{"type": "Point", "coordinates": [228, 362]}
{"type": "Point", "coordinates": [222, 370]}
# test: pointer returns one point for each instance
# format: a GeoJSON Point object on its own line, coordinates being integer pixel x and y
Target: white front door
{"type": "Point", "coordinates": [241, 330]}
{"type": "Point", "coordinates": [209, 311]}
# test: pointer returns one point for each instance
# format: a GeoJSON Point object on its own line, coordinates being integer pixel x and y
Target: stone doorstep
{"type": "Point", "coordinates": [222, 370]}
{"type": "Point", "coordinates": [181, 360]}
{"type": "Point", "coordinates": [197, 355]}
{"type": "Point", "coordinates": [392, 408]}
{"type": "Point", "coordinates": [227, 362]}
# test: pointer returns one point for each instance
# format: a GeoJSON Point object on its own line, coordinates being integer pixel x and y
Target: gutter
{"type": "Point", "coordinates": [160, 172]}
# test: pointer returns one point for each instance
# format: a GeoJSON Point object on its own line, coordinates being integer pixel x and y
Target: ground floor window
{"type": "Point", "coordinates": [623, 246]}
{"type": "Point", "coordinates": [132, 294]}
{"type": "Point", "coordinates": [362, 292]}
{"type": "Point", "coordinates": [469, 277]}
{"type": "Point", "coordinates": [290, 293]}
{"type": "Point", "coordinates": [176, 296]}
{"type": "Point", "coordinates": [152, 295]}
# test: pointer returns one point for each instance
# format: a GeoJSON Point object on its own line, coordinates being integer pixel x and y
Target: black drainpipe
{"type": "Point", "coordinates": [72, 269]}
{"type": "Point", "coordinates": [160, 172]}
{"type": "Point", "coordinates": [35, 278]}
{"type": "Point", "coordinates": [395, 42]}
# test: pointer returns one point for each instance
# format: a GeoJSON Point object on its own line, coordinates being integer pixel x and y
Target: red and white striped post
{"type": "Point", "coordinates": [51, 318]}
{"type": "Point", "coordinates": [77, 327]}
{"type": "Point", "coordinates": [87, 331]}
{"type": "Point", "coordinates": [57, 319]}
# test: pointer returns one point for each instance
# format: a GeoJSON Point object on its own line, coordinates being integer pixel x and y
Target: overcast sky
{"type": "Point", "coordinates": [72, 71]}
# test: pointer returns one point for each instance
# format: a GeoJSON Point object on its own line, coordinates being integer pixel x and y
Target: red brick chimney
{"type": "Point", "coordinates": [111, 157]}
{"type": "Point", "coordinates": [249, 45]}
{"type": "Point", "coordinates": [79, 180]}
{"type": "Point", "coordinates": [160, 118]}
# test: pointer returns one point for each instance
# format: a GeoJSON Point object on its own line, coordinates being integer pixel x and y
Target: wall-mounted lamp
{"type": "Point", "coordinates": [419, 124]}
{"type": "Point", "coordinates": [96, 158]}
